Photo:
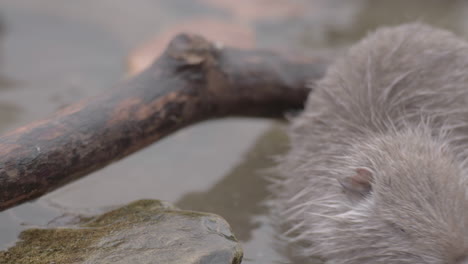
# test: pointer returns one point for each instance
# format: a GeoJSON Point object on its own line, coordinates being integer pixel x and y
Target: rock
{"type": "Point", "coordinates": [146, 231]}
{"type": "Point", "coordinates": [251, 10]}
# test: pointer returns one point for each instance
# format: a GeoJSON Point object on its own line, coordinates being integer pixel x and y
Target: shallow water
{"type": "Point", "coordinates": [55, 52]}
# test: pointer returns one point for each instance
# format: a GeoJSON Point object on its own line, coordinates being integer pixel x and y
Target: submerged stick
{"type": "Point", "coordinates": [192, 81]}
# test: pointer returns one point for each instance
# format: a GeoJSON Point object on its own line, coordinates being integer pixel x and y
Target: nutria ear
{"type": "Point", "coordinates": [358, 183]}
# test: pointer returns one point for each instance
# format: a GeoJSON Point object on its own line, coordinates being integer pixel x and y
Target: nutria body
{"type": "Point", "coordinates": [378, 166]}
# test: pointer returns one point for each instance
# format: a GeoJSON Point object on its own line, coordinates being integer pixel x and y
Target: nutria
{"type": "Point", "coordinates": [378, 166]}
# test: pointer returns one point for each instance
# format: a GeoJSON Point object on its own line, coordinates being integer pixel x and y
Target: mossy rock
{"type": "Point", "coordinates": [146, 231]}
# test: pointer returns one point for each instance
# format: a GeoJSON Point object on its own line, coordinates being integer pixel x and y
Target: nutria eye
{"type": "Point", "coordinates": [396, 227]}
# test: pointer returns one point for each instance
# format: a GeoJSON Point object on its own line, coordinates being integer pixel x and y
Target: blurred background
{"type": "Point", "coordinates": [55, 52]}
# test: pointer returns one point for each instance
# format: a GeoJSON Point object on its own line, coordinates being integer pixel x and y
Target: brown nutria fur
{"type": "Point", "coordinates": [378, 166]}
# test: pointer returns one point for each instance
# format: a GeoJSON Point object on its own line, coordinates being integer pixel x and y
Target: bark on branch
{"type": "Point", "coordinates": [192, 81]}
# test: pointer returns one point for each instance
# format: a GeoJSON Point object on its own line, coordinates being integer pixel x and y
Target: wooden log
{"type": "Point", "coordinates": [193, 80]}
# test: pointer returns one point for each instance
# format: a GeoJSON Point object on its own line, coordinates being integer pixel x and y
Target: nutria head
{"type": "Point", "coordinates": [377, 171]}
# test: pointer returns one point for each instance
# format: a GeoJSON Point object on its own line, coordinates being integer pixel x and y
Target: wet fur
{"type": "Point", "coordinates": [397, 105]}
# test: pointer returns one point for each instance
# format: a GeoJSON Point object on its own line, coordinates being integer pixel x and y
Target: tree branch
{"type": "Point", "coordinates": [192, 81]}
